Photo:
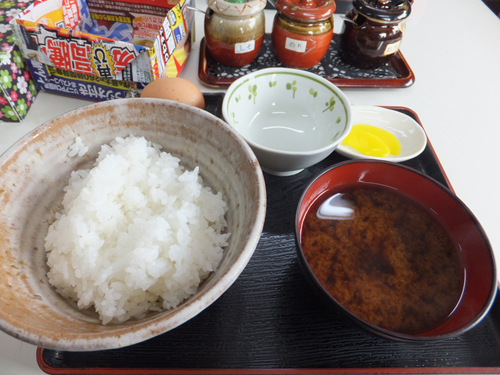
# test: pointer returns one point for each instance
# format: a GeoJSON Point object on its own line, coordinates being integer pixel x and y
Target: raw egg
{"type": "Point", "coordinates": [372, 141]}
{"type": "Point", "coordinates": [177, 89]}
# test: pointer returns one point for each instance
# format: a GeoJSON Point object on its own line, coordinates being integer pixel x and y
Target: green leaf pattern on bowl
{"type": "Point", "coordinates": [253, 92]}
{"type": "Point", "coordinates": [313, 93]}
{"type": "Point", "coordinates": [233, 115]}
{"type": "Point", "coordinates": [330, 105]}
{"type": "Point", "coordinates": [290, 86]}
{"type": "Point", "coordinates": [336, 135]}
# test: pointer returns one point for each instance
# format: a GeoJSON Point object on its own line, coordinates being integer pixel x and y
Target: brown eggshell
{"type": "Point", "coordinates": [174, 88]}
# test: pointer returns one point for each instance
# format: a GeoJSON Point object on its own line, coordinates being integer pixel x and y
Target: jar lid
{"type": "Point", "coordinates": [383, 10]}
{"type": "Point", "coordinates": [307, 9]}
{"type": "Point", "coordinates": [237, 7]}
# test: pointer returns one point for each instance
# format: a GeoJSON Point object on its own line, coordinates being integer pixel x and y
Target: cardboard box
{"type": "Point", "coordinates": [104, 49]}
{"type": "Point", "coordinates": [18, 89]}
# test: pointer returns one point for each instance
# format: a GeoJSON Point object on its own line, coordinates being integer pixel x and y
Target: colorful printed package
{"type": "Point", "coordinates": [103, 49]}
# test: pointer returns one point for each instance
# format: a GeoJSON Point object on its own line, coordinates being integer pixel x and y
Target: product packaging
{"type": "Point", "coordinates": [104, 49]}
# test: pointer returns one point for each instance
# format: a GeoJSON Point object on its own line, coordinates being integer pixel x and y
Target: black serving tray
{"type": "Point", "coordinates": [270, 321]}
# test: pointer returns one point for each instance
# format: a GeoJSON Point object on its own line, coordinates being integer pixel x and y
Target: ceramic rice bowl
{"type": "Point", "coordinates": [33, 173]}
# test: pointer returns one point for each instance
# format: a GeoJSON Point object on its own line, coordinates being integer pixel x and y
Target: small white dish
{"type": "Point", "coordinates": [409, 133]}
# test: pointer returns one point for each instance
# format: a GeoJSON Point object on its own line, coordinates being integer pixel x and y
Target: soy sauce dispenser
{"type": "Point", "coordinates": [372, 31]}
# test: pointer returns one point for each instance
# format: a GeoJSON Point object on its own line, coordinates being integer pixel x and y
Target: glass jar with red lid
{"type": "Point", "coordinates": [234, 30]}
{"type": "Point", "coordinates": [302, 31]}
{"type": "Point", "coordinates": [373, 31]}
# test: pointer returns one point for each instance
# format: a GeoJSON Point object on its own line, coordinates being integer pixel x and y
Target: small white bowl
{"type": "Point", "coordinates": [409, 133]}
{"type": "Point", "coordinates": [287, 117]}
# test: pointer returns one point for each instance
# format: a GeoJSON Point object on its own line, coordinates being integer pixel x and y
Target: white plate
{"type": "Point", "coordinates": [409, 133]}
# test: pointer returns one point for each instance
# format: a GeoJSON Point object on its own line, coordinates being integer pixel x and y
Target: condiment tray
{"type": "Point", "coordinates": [271, 322]}
{"type": "Point", "coordinates": [395, 74]}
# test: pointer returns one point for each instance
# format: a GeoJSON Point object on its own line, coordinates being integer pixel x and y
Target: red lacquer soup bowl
{"type": "Point", "coordinates": [394, 249]}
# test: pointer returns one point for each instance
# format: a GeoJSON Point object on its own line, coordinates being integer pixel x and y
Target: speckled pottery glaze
{"type": "Point", "coordinates": [237, 8]}
{"type": "Point", "coordinates": [33, 173]}
{"type": "Point", "coordinates": [234, 30]}
{"type": "Point", "coordinates": [302, 31]}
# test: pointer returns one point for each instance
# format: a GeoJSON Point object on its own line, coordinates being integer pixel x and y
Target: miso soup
{"type": "Point", "coordinates": [384, 257]}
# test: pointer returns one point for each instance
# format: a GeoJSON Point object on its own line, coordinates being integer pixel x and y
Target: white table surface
{"type": "Point", "coordinates": [452, 46]}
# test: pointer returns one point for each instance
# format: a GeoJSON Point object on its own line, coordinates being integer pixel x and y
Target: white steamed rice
{"type": "Point", "coordinates": [136, 233]}
{"type": "Point", "coordinates": [77, 148]}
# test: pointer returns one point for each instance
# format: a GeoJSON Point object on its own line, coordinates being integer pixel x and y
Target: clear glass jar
{"type": "Point", "coordinates": [234, 32]}
{"type": "Point", "coordinates": [302, 31]}
{"type": "Point", "coordinates": [373, 31]}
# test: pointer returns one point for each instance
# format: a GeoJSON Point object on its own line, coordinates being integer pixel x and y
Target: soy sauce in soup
{"type": "Point", "coordinates": [384, 257]}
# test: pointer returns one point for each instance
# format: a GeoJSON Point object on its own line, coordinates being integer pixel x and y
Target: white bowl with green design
{"type": "Point", "coordinates": [292, 119]}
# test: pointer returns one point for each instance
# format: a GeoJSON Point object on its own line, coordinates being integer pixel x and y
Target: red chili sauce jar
{"type": "Point", "coordinates": [302, 31]}
{"type": "Point", "coordinates": [234, 30]}
{"type": "Point", "coordinates": [372, 31]}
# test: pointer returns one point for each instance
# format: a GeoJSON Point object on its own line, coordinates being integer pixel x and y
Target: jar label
{"type": "Point", "coordinates": [244, 47]}
{"type": "Point", "coordinates": [295, 45]}
{"type": "Point", "coordinates": [392, 48]}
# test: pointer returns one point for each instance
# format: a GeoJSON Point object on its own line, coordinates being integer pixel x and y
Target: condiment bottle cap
{"type": "Point", "coordinates": [389, 11]}
{"type": "Point", "coordinates": [237, 7]}
{"type": "Point", "coordinates": [307, 9]}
